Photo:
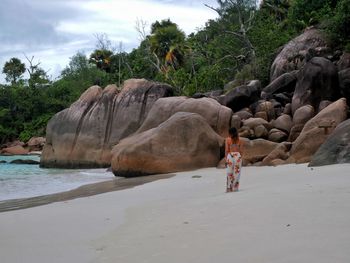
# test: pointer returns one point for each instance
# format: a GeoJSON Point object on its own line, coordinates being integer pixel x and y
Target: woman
{"type": "Point", "coordinates": [233, 155]}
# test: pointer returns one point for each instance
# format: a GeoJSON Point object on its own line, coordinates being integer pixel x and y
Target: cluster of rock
{"type": "Point", "coordinates": [142, 129]}
{"type": "Point", "coordinates": [33, 146]}
{"type": "Point", "coordinates": [83, 135]}
{"type": "Point", "coordinates": [306, 100]}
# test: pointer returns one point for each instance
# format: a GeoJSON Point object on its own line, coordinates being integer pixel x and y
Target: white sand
{"type": "Point", "coordinates": [282, 214]}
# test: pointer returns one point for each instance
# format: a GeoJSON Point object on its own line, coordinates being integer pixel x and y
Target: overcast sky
{"type": "Point", "coordinates": [54, 30]}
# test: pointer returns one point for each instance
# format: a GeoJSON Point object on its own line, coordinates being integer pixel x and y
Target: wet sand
{"type": "Point", "coordinates": [115, 184]}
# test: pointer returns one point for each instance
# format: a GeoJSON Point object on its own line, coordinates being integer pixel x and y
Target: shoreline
{"type": "Point", "coordinates": [115, 184]}
{"type": "Point", "coordinates": [287, 213]}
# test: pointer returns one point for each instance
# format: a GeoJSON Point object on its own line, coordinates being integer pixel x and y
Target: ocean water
{"type": "Point", "coordinates": [22, 180]}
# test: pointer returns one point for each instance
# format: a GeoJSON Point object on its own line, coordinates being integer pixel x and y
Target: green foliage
{"type": "Point", "coordinates": [35, 127]}
{"type": "Point", "coordinates": [102, 59]}
{"type": "Point", "coordinates": [268, 34]}
{"type": "Point", "coordinates": [240, 45]}
{"type": "Point", "coordinates": [340, 27]}
{"type": "Point", "coordinates": [13, 69]}
{"type": "Point", "coordinates": [245, 74]}
{"type": "Point", "coordinates": [167, 42]}
{"type": "Point", "coordinates": [304, 13]}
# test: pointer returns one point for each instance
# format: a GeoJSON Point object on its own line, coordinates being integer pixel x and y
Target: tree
{"type": "Point", "coordinates": [277, 8]}
{"type": "Point", "coordinates": [241, 14]}
{"type": "Point", "coordinates": [101, 56]}
{"type": "Point", "coordinates": [13, 69]}
{"type": "Point", "coordinates": [340, 27]}
{"type": "Point", "coordinates": [78, 64]}
{"type": "Point", "coordinates": [167, 44]}
{"type": "Point", "coordinates": [304, 13]}
{"type": "Point", "coordinates": [37, 75]}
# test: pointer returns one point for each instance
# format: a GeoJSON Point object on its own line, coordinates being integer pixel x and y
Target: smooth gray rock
{"type": "Point", "coordinates": [336, 149]}
{"type": "Point", "coordinates": [294, 54]}
{"type": "Point", "coordinates": [317, 81]}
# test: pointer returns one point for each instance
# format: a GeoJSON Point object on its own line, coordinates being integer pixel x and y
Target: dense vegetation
{"type": "Point", "coordinates": [240, 45]}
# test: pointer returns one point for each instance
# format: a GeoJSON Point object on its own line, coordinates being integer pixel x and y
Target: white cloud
{"type": "Point", "coordinates": [60, 29]}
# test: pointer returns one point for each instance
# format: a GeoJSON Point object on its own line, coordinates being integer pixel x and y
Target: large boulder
{"type": "Point", "coordinates": [216, 115]}
{"type": "Point", "coordinates": [84, 134]}
{"type": "Point", "coordinates": [256, 150]}
{"type": "Point", "coordinates": [344, 62]}
{"type": "Point", "coordinates": [336, 149]}
{"type": "Point", "coordinates": [283, 98]}
{"type": "Point", "coordinates": [303, 114]}
{"type": "Point", "coordinates": [317, 81]}
{"type": "Point", "coordinates": [276, 135]}
{"type": "Point", "coordinates": [236, 122]}
{"type": "Point", "coordinates": [241, 97]}
{"type": "Point", "coordinates": [14, 150]}
{"type": "Point", "coordinates": [293, 55]}
{"type": "Point", "coordinates": [244, 114]}
{"type": "Point", "coordinates": [324, 104]}
{"type": "Point", "coordinates": [253, 122]}
{"type": "Point", "coordinates": [183, 142]}
{"type": "Point", "coordinates": [12, 143]}
{"type": "Point", "coordinates": [283, 122]}
{"type": "Point", "coordinates": [279, 153]}
{"type": "Point", "coordinates": [284, 83]}
{"type": "Point", "coordinates": [344, 82]}
{"type": "Point", "coordinates": [316, 131]}
{"type": "Point", "coordinates": [260, 131]}
{"type": "Point", "coordinates": [36, 143]}
{"type": "Point", "coordinates": [268, 108]}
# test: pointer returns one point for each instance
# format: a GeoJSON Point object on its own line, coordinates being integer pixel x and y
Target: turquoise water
{"type": "Point", "coordinates": [22, 180]}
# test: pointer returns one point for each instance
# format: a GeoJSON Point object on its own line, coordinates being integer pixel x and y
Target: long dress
{"type": "Point", "coordinates": [233, 165]}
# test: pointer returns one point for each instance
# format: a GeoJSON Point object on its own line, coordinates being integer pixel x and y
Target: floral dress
{"type": "Point", "coordinates": [233, 165]}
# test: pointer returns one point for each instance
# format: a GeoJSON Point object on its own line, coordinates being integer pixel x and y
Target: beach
{"type": "Point", "coordinates": [288, 213]}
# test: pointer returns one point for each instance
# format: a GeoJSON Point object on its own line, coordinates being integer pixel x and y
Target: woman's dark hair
{"type": "Point", "coordinates": [233, 133]}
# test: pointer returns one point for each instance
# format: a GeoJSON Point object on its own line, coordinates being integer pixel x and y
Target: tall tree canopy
{"type": "Point", "coordinates": [13, 69]}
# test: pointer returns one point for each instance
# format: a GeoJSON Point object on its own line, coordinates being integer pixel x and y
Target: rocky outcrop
{"type": "Point", "coordinates": [254, 128]}
{"type": "Point", "coordinates": [344, 62]}
{"type": "Point", "coordinates": [284, 83]}
{"type": "Point", "coordinates": [294, 54]}
{"type": "Point", "coordinates": [279, 153]}
{"type": "Point", "coordinates": [12, 143]}
{"type": "Point", "coordinates": [344, 83]}
{"type": "Point", "coordinates": [267, 109]}
{"type": "Point", "coordinates": [244, 114]}
{"type": "Point", "coordinates": [316, 131]}
{"type": "Point", "coordinates": [36, 143]}
{"type": "Point", "coordinates": [183, 142]}
{"type": "Point", "coordinates": [84, 134]}
{"type": "Point", "coordinates": [256, 150]}
{"type": "Point", "coordinates": [276, 135]}
{"type": "Point", "coordinates": [241, 97]}
{"type": "Point", "coordinates": [216, 115]}
{"type": "Point", "coordinates": [336, 149]}
{"type": "Point", "coordinates": [300, 117]}
{"type": "Point", "coordinates": [317, 81]}
{"type": "Point", "coordinates": [283, 122]}
{"type": "Point", "coordinates": [151, 132]}
{"type": "Point", "coordinates": [303, 114]}
{"type": "Point", "coordinates": [14, 150]}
